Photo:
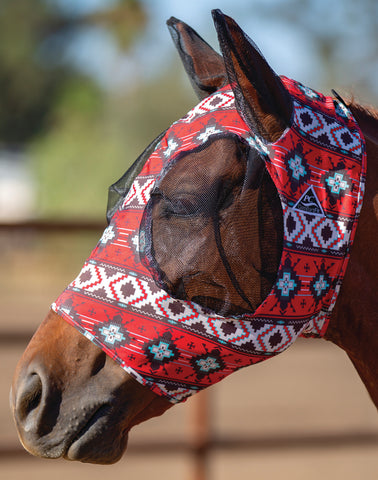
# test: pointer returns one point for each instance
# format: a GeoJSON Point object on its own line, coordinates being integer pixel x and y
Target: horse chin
{"type": "Point", "coordinates": [98, 443]}
{"type": "Point", "coordinates": [100, 438]}
{"type": "Point", "coordinates": [104, 437]}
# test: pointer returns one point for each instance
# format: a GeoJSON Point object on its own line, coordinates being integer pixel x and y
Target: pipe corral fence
{"type": "Point", "coordinates": [297, 414]}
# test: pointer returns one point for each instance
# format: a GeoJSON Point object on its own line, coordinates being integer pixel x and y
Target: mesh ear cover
{"type": "Point", "coordinates": [213, 230]}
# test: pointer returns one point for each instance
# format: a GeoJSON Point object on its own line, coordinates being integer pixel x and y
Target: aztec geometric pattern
{"type": "Point", "coordinates": [175, 347]}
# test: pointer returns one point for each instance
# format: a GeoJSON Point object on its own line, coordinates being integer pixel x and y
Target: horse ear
{"type": "Point", "coordinates": [260, 95]}
{"type": "Point", "coordinates": [204, 66]}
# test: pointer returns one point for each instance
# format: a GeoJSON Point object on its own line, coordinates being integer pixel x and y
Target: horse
{"type": "Point", "coordinates": [70, 397]}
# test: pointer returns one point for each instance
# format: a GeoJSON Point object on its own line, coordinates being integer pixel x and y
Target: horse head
{"type": "Point", "coordinates": [201, 219]}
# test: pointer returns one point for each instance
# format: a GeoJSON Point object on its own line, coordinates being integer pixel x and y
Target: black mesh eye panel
{"type": "Point", "coordinates": [204, 226]}
{"type": "Point", "coordinates": [118, 191]}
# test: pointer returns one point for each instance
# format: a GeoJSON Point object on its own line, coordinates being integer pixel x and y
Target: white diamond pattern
{"type": "Point", "coordinates": [316, 125]}
{"type": "Point", "coordinates": [321, 232]}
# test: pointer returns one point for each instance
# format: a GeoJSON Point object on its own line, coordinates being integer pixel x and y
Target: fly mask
{"type": "Point", "coordinates": [121, 300]}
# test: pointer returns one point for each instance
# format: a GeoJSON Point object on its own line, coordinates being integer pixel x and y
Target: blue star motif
{"type": "Point", "coordinates": [297, 168]}
{"type": "Point", "coordinates": [309, 92]}
{"type": "Point", "coordinates": [112, 334]}
{"type": "Point", "coordinates": [207, 364]}
{"type": "Point", "coordinates": [337, 183]}
{"type": "Point", "coordinates": [255, 142]}
{"type": "Point", "coordinates": [342, 110]}
{"type": "Point", "coordinates": [286, 284]}
{"type": "Point", "coordinates": [161, 351]}
{"type": "Point", "coordinates": [321, 285]}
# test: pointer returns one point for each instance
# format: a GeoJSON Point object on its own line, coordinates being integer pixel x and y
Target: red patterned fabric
{"type": "Point", "coordinates": [175, 347]}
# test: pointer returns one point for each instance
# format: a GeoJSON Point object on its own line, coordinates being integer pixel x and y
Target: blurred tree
{"type": "Point", "coordinates": [91, 144]}
{"type": "Point", "coordinates": [344, 36]}
{"type": "Point", "coordinates": [81, 137]}
{"type": "Point", "coordinates": [32, 34]}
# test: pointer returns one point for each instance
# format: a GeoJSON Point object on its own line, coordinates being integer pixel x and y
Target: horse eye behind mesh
{"type": "Point", "coordinates": [181, 206]}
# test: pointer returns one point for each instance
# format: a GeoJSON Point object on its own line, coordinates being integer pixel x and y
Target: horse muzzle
{"type": "Point", "coordinates": [82, 426]}
{"type": "Point", "coordinates": [76, 402]}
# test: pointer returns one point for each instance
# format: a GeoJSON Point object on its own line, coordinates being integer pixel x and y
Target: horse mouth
{"type": "Point", "coordinates": [99, 440]}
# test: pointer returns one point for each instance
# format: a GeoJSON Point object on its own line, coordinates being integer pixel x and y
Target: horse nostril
{"type": "Point", "coordinates": [99, 363]}
{"type": "Point", "coordinates": [37, 402]}
{"type": "Point", "coordinates": [29, 396]}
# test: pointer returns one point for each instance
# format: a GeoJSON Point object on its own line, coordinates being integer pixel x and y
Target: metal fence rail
{"type": "Point", "coordinates": [202, 442]}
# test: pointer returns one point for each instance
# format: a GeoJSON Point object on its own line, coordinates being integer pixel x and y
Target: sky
{"type": "Point", "coordinates": [155, 50]}
{"type": "Point", "coordinates": [288, 46]}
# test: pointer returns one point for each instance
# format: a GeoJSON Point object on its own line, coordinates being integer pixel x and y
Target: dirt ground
{"type": "Point", "coordinates": [302, 415]}
{"type": "Point", "coordinates": [310, 391]}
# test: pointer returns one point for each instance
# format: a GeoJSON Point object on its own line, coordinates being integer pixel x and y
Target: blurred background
{"type": "Point", "coordinates": [84, 87]}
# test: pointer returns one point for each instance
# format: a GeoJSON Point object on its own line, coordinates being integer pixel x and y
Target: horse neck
{"type": "Point", "coordinates": [354, 320]}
